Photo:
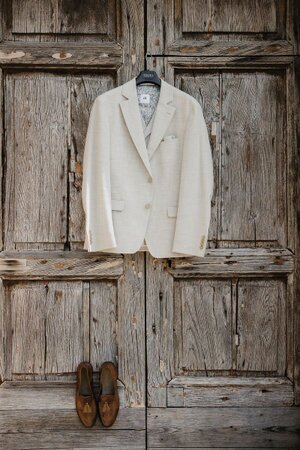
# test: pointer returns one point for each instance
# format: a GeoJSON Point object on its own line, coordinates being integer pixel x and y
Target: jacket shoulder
{"type": "Point", "coordinates": [187, 99]}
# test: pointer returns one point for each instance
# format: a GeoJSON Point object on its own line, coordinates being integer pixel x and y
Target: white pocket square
{"type": "Point", "coordinates": [170, 136]}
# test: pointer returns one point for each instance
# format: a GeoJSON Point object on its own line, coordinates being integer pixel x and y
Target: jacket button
{"type": "Point", "coordinates": [147, 205]}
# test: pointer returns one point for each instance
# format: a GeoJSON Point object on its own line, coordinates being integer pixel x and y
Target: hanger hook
{"type": "Point", "coordinates": [151, 56]}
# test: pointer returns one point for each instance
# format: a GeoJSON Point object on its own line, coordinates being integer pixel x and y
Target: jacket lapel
{"type": "Point", "coordinates": [133, 119]}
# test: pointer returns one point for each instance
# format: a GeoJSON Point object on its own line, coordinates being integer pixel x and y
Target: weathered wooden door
{"type": "Point", "coordinates": [223, 331]}
{"type": "Point", "coordinates": [207, 348]}
{"type": "Point", "coordinates": [60, 305]}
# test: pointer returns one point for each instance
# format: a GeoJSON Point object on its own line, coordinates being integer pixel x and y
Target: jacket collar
{"type": "Point", "coordinates": [133, 119]}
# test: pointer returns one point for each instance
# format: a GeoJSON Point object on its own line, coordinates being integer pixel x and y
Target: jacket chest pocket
{"type": "Point", "coordinates": [117, 205]}
{"type": "Point", "coordinates": [169, 152]}
{"type": "Point", "coordinates": [169, 143]}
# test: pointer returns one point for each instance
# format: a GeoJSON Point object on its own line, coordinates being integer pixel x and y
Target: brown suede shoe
{"type": "Point", "coordinates": [108, 399]}
{"type": "Point", "coordinates": [85, 400]}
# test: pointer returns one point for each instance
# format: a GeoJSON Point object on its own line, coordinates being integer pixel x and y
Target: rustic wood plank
{"type": "Point", "coordinates": [160, 322]}
{"type": "Point", "coordinates": [130, 28]}
{"type": "Point", "coordinates": [230, 391]}
{"type": "Point", "coordinates": [259, 262]}
{"type": "Point", "coordinates": [103, 323]}
{"type": "Point", "coordinates": [3, 337]}
{"type": "Point", "coordinates": [106, 55]}
{"type": "Point", "coordinates": [160, 23]}
{"type": "Point", "coordinates": [243, 48]}
{"type": "Point", "coordinates": [224, 61]}
{"type": "Point", "coordinates": [41, 265]}
{"type": "Point", "coordinates": [6, 327]}
{"type": "Point", "coordinates": [297, 238]}
{"type": "Point", "coordinates": [215, 427]}
{"type": "Point", "coordinates": [234, 336]}
{"type": "Point", "coordinates": [2, 115]}
{"type": "Point", "coordinates": [48, 395]}
{"type": "Point", "coordinates": [294, 27]}
{"type": "Point", "coordinates": [86, 320]}
{"type": "Point", "coordinates": [2, 20]}
{"type": "Point", "coordinates": [130, 328]}
{"type": "Point", "coordinates": [229, 381]}
{"type": "Point", "coordinates": [97, 437]}
{"type": "Point", "coordinates": [119, 447]}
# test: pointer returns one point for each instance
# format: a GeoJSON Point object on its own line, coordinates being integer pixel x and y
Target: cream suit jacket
{"type": "Point", "coordinates": [160, 192]}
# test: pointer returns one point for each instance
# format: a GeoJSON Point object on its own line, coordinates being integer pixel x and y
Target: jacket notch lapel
{"type": "Point", "coordinates": [133, 120]}
{"type": "Point", "coordinates": [162, 117]}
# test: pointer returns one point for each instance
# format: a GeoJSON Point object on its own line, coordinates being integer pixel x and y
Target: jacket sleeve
{"type": "Point", "coordinates": [196, 187]}
{"type": "Point", "coordinates": [96, 188]}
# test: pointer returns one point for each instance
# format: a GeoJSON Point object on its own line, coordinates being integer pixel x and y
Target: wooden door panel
{"type": "Point", "coordinates": [231, 16]}
{"type": "Point", "coordinates": [60, 18]}
{"type": "Point", "coordinates": [230, 28]}
{"type": "Point", "coordinates": [46, 121]}
{"type": "Point", "coordinates": [246, 118]}
{"type": "Point", "coordinates": [45, 328]}
{"type": "Point", "coordinates": [89, 308]}
{"type": "Point", "coordinates": [253, 134]}
{"type": "Point", "coordinates": [35, 191]}
{"type": "Point", "coordinates": [261, 326]}
{"type": "Point", "coordinates": [50, 325]}
{"type": "Point", "coordinates": [202, 325]}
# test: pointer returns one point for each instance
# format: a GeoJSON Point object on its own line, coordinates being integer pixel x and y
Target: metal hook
{"type": "Point", "coordinates": [151, 56]}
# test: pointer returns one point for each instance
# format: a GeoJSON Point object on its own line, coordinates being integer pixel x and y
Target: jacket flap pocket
{"type": "Point", "coordinates": [172, 211]}
{"type": "Point", "coordinates": [117, 204]}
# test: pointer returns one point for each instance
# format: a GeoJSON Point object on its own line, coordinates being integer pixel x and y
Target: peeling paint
{"type": "Point", "coordinates": [133, 57]}
{"type": "Point", "coordinates": [11, 55]}
{"type": "Point", "coordinates": [161, 365]}
{"type": "Point", "coordinates": [134, 321]}
{"type": "Point", "coordinates": [61, 55]}
{"type": "Point", "coordinates": [214, 128]}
